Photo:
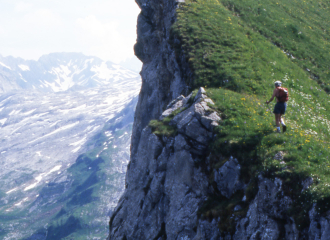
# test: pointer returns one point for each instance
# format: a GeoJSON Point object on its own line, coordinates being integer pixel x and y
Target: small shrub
{"type": "Point", "coordinates": [162, 129]}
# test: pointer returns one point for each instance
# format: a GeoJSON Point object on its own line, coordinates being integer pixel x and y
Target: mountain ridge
{"type": "Point", "coordinates": [57, 72]}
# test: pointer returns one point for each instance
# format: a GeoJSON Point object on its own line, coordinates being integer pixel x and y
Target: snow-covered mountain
{"type": "Point", "coordinates": [59, 72]}
{"type": "Point", "coordinates": [53, 112]}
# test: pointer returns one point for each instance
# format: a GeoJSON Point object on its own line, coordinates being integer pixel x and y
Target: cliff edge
{"type": "Point", "coordinates": [205, 164]}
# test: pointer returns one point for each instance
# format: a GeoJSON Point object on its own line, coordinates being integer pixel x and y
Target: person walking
{"type": "Point", "coordinates": [282, 97]}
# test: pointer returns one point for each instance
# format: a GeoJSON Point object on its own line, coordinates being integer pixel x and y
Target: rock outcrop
{"type": "Point", "coordinates": [166, 184]}
{"type": "Point", "coordinates": [170, 177]}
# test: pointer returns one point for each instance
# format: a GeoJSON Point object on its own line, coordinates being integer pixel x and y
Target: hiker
{"type": "Point", "coordinates": [281, 95]}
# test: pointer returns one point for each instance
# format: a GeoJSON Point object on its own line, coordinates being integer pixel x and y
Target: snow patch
{"type": "Point", "coordinates": [55, 169]}
{"type": "Point", "coordinates": [54, 123]}
{"type": "Point", "coordinates": [57, 130]}
{"type": "Point", "coordinates": [3, 101]}
{"type": "Point", "coordinates": [80, 107]}
{"type": "Point", "coordinates": [22, 77]}
{"type": "Point", "coordinates": [2, 121]}
{"type": "Point", "coordinates": [30, 187]}
{"type": "Point", "coordinates": [29, 112]}
{"type": "Point", "coordinates": [64, 81]}
{"type": "Point", "coordinates": [76, 149]}
{"type": "Point", "coordinates": [103, 72]}
{"type": "Point", "coordinates": [20, 203]}
{"type": "Point", "coordinates": [93, 128]}
{"type": "Point", "coordinates": [108, 133]}
{"type": "Point", "coordinates": [41, 176]}
{"type": "Point", "coordinates": [24, 67]}
{"type": "Point", "coordinates": [2, 64]}
{"type": "Point", "coordinates": [14, 112]}
{"type": "Point", "coordinates": [12, 190]}
{"type": "Point", "coordinates": [80, 142]}
{"type": "Point", "coordinates": [15, 130]}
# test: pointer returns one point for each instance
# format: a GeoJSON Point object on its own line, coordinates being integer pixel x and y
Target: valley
{"type": "Point", "coordinates": [64, 145]}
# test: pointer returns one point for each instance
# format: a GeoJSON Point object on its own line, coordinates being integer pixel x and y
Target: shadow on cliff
{"type": "Point", "coordinates": [58, 232]}
{"type": "Point", "coordinates": [246, 150]}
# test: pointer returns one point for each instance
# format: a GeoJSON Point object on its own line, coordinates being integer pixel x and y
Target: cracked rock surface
{"type": "Point", "coordinates": [165, 189]}
{"type": "Point", "coordinates": [167, 184]}
{"type": "Point", "coordinates": [162, 77]}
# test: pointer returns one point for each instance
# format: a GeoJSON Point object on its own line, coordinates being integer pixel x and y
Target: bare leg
{"type": "Point", "coordinates": [278, 120]}
{"type": "Point", "coordinates": [282, 119]}
{"type": "Point", "coordinates": [283, 123]}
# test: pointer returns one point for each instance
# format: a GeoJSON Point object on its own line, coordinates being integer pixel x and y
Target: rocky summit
{"type": "Point", "coordinates": [58, 72]}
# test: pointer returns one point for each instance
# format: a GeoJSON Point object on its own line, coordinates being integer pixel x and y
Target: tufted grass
{"type": "Point", "coordinates": [160, 128]}
{"type": "Point", "coordinates": [237, 49]}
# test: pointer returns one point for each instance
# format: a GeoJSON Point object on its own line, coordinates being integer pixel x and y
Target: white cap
{"type": "Point", "coordinates": [278, 83]}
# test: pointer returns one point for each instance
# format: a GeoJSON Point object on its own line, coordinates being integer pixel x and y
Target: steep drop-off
{"type": "Point", "coordinates": [205, 164]}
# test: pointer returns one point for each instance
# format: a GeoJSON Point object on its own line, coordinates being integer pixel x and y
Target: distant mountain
{"type": "Point", "coordinates": [133, 64]}
{"type": "Point", "coordinates": [58, 72]}
{"type": "Point", "coordinates": [65, 128]}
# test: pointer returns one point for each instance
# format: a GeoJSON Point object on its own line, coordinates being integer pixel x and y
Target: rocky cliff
{"type": "Point", "coordinates": [171, 184]}
{"type": "Point", "coordinates": [162, 77]}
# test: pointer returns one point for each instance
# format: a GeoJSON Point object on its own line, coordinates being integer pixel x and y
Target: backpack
{"type": "Point", "coordinates": [283, 94]}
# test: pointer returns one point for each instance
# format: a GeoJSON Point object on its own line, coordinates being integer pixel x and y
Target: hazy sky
{"type": "Point", "coordinates": [102, 28]}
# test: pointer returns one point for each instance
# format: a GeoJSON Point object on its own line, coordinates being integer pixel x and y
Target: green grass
{"type": "Point", "coordinates": [300, 28]}
{"type": "Point", "coordinates": [220, 206]}
{"type": "Point", "coordinates": [247, 130]}
{"type": "Point", "coordinates": [163, 128]}
{"type": "Point", "coordinates": [221, 46]}
{"type": "Point", "coordinates": [235, 49]}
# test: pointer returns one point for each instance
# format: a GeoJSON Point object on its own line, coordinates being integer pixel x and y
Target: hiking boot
{"type": "Point", "coordinates": [277, 131]}
{"type": "Point", "coordinates": [284, 128]}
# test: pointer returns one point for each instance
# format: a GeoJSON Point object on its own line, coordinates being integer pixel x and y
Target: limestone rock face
{"type": "Point", "coordinates": [168, 182]}
{"type": "Point", "coordinates": [265, 212]}
{"type": "Point", "coordinates": [228, 178]}
{"type": "Point", "coordinates": [267, 217]}
{"type": "Point", "coordinates": [165, 186]}
{"type": "Point", "coordinates": [162, 77]}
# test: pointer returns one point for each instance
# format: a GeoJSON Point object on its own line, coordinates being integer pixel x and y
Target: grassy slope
{"type": "Point", "coordinates": [237, 49]}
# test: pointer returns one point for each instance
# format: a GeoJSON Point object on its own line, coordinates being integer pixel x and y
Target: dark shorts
{"type": "Point", "coordinates": [280, 108]}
